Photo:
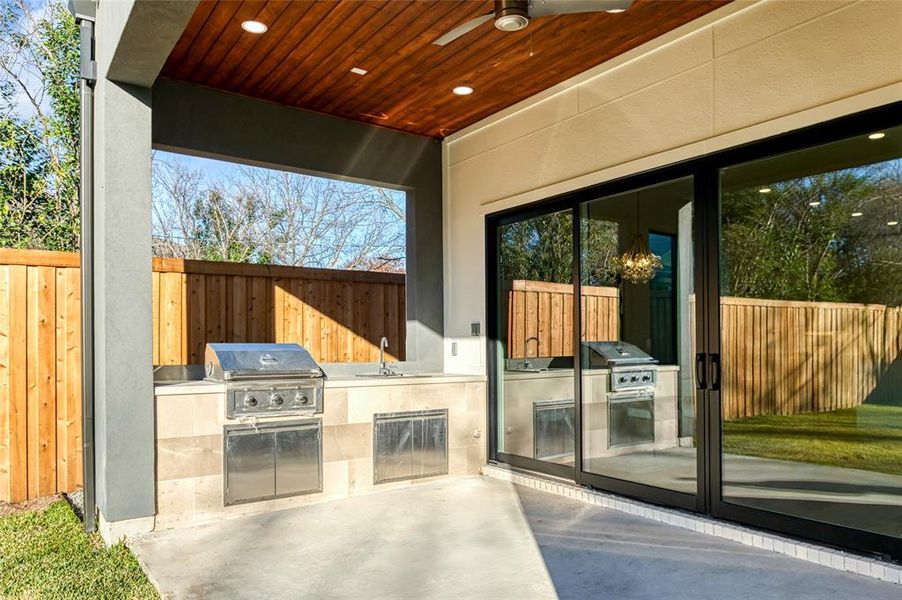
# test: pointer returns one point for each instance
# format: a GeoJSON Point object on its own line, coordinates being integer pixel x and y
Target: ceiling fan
{"type": "Point", "coordinates": [514, 15]}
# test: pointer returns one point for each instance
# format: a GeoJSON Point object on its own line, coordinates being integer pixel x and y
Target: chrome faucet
{"type": "Point", "coordinates": [383, 368]}
{"type": "Point", "coordinates": [526, 364]}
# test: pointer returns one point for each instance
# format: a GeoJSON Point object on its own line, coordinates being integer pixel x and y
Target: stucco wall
{"type": "Point", "coordinates": [744, 72]}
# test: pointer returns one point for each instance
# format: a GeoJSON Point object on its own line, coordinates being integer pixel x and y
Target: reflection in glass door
{"type": "Point", "coordinates": [811, 333]}
{"type": "Point", "coordinates": [535, 382]}
{"type": "Point", "coordinates": [638, 336]}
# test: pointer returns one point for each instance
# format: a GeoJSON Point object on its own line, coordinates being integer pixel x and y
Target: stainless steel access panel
{"type": "Point", "coordinates": [271, 460]}
{"type": "Point", "coordinates": [410, 445]}
{"type": "Point", "coordinates": [553, 429]}
{"type": "Point", "coordinates": [631, 418]}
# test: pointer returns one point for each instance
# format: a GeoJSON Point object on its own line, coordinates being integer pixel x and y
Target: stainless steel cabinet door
{"type": "Point", "coordinates": [410, 445]}
{"type": "Point", "coordinates": [553, 430]}
{"type": "Point", "coordinates": [430, 446]}
{"type": "Point", "coordinates": [298, 460]}
{"type": "Point", "coordinates": [393, 457]}
{"type": "Point", "coordinates": [250, 465]}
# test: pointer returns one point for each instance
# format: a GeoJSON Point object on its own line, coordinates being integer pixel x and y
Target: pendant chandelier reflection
{"type": "Point", "coordinates": [638, 264]}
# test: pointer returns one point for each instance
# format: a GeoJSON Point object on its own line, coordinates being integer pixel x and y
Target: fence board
{"type": "Point", "coordinates": [41, 374]}
{"type": "Point", "coordinates": [17, 385]}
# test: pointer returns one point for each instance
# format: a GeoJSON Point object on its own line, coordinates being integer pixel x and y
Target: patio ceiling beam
{"type": "Point", "coordinates": [145, 39]}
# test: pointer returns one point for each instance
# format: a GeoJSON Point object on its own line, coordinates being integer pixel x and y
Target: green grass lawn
{"type": "Point", "coordinates": [46, 554]}
{"type": "Point", "coordinates": [866, 437]}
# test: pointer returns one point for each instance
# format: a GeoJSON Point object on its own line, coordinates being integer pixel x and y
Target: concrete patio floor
{"type": "Point", "coordinates": [474, 538]}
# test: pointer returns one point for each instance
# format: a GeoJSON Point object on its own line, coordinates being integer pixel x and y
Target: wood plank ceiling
{"type": "Point", "coordinates": [306, 56]}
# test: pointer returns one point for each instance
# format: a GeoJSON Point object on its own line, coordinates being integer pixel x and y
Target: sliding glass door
{"type": "Point", "coordinates": [534, 386]}
{"type": "Point", "coordinates": [637, 344]}
{"type": "Point", "coordinates": [723, 335]}
{"type": "Point", "coordinates": [811, 334]}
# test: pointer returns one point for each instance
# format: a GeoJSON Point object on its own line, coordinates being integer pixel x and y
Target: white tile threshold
{"type": "Point", "coordinates": [822, 555]}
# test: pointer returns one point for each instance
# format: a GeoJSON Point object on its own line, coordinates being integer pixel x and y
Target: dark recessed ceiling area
{"type": "Point", "coordinates": [305, 56]}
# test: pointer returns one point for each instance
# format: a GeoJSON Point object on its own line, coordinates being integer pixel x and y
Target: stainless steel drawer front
{"type": "Point", "coordinates": [410, 445]}
{"type": "Point", "coordinates": [271, 460]}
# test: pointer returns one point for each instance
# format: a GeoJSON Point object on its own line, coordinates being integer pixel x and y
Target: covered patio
{"type": "Point", "coordinates": [474, 537]}
{"type": "Point", "coordinates": [535, 168]}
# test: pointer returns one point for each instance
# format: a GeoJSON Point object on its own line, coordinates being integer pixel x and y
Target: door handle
{"type": "Point", "coordinates": [700, 376]}
{"type": "Point", "coordinates": [715, 372]}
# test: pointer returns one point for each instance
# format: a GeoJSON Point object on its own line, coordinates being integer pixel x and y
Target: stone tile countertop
{"type": "Point", "coordinates": [174, 388]}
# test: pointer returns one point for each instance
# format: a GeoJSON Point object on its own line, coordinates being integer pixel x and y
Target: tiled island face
{"type": "Point", "coordinates": [189, 442]}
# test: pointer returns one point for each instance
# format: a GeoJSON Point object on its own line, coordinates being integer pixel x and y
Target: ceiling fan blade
{"type": "Point", "coordinates": [463, 29]}
{"type": "Point", "coordinates": [547, 8]}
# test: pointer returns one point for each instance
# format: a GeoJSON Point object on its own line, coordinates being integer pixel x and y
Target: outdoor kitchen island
{"type": "Point", "coordinates": [191, 421]}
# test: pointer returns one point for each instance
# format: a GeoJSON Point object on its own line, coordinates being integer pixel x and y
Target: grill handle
{"type": "Point", "coordinates": [701, 380]}
{"type": "Point", "coordinates": [715, 371]}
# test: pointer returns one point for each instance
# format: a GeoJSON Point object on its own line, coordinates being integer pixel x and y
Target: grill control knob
{"type": "Point", "coordinates": [646, 378]}
{"type": "Point", "coordinates": [302, 398]}
{"type": "Point", "coordinates": [276, 400]}
{"type": "Point", "coordinates": [634, 379]}
{"type": "Point", "coordinates": [622, 379]}
{"type": "Point", "coordinates": [250, 401]}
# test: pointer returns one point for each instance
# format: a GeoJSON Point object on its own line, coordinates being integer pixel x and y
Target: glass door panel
{"type": "Point", "coordinates": [535, 393]}
{"type": "Point", "coordinates": [811, 333]}
{"type": "Point", "coordinates": [637, 349]}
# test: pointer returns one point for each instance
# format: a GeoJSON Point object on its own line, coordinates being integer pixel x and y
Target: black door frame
{"type": "Point", "coordinates": [705, 172]}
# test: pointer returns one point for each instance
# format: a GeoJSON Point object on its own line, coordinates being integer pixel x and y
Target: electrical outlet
{"type": "Point", "coordinates": [453, 348]}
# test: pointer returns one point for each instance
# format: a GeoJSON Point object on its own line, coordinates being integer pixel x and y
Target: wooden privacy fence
{"type": "Point", "coordinates": [542, 314]}
{"type": "Point", "coordinates": [783, 357]}
{"type": "Point", "coordinates": [339, 315]}
{"type": "Point", "coordinates": [40, 374]}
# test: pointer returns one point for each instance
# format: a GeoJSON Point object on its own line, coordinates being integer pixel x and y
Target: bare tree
{"type": "Point", "coordinates": [261, 215]}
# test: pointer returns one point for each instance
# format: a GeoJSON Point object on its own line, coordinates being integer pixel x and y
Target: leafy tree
{"type": "Point", "coordinates": [541, 249]}
{"type": "Point", "coordinates": [801, 241]}
{"type": "Point", "coordinates": [39, 125]}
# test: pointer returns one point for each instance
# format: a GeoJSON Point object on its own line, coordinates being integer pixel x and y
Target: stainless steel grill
{"type": "Point", "coordinates": [631, 392]}
{"type": "Point", "coordinates": [266, 379]}
{"type": "Point", "coordinates": [630, 367]}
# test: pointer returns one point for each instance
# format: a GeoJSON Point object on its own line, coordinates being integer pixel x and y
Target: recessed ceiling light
{"type": "Point", "coordinates": [254, 27]}
{"type": "Point", "coordinates": [359, 71]}
{"type": "Point", "coordinates": [614, 11]}
{"type": "Point", "coordinates": [892, 222]}
{"type": "Point", "coordinates": [764, 190]}
{"type": "Point", "coordinates": [857, 214]}
{"type": "Point", "coordinates": [877, 136]}
{"type": "Point", "coordinates": [463, 90]}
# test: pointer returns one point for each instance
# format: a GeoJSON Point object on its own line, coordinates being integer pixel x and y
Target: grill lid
{"type": "Point", "coordinates": [226, 362]}
{"type": "Point", "coordinates": [617, 354]}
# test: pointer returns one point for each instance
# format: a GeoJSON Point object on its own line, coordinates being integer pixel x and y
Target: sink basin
{"type": "Point", "coordinates": [381, 375]}
{"type": "Point", "coordinates": [392, 375]}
